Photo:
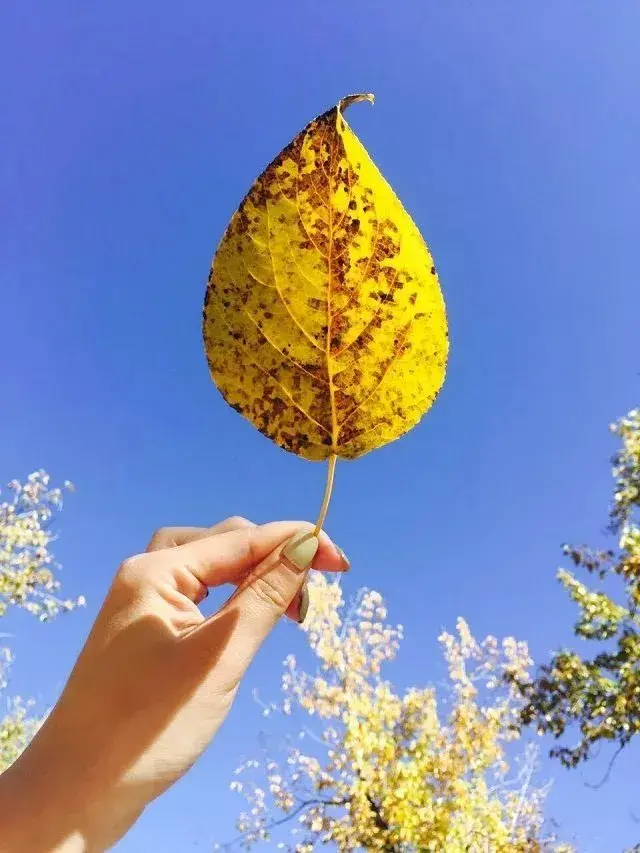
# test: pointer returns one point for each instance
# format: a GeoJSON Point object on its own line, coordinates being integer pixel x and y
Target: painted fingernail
{"type": "Point", "coordinates": [345, 560]}
{"type": "Point", "coordinates": [303, 605]}
{"type": "Point", "coordinates": [300, 550]}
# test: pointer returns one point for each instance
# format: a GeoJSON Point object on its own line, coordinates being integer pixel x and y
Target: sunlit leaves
{"type": "Point", "coordinates": [28, 581]}
{"type": "Point", "coordinates": [372, 768]}
{"type": "Point", "coordinates": [27, 564]}
{"type": "Point", "coordinates": [599, 696]}
{"type": "Point", "coordinates": [17, 726]}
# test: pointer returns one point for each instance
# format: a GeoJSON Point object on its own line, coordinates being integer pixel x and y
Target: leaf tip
{"type": "Point", "coordinates": [346, 102]}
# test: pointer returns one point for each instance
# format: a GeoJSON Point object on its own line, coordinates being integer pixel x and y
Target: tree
{"type": "Point", "coordinates": [598, 697]}
{"type": "Point", "coordinates": [27, 580]}
{"type": "Point", "coordinates": [389, 772]}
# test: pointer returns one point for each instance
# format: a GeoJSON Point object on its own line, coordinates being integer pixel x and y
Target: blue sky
{"type": "Point", "coordinates": [129, 132]}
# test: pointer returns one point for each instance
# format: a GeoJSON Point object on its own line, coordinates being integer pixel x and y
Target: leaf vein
{"type": "Point", "coordinates": [275, 281]}
{"type": "Point", "coordinates": [266, 372]}
{"type": "Point", "coordinates": [292, 400]}
{"type": "Point", "coordinates": [279, 351]}
{"type": "Point", "coordinates": [374, 316]}
{"type": "Point", "coordinates": [392, 362]}
{"type": "Point", "coordinates": [355, 292]}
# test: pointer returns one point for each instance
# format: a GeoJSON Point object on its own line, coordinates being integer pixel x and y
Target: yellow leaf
{"type": "Point", "coordinates": [324, 323]}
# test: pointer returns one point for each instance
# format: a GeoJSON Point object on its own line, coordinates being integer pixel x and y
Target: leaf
{"type": "Point", "coordinates": [324, 323]}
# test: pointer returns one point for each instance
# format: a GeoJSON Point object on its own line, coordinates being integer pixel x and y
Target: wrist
{"type": "Point", "coordinates": [52, 800]}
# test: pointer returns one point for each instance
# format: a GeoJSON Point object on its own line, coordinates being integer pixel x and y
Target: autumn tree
{"type": "Point", "coordinates": [596, 699]}
{"type": "Point", "coordinates": [27, 580]}
{"type": "Point", "coordinates": [389, 772]}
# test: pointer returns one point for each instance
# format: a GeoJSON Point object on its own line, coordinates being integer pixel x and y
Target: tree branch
{"type": "Point", "coordinates": [605, 778]}
{"type": "Point", "coordinates": [290, 816]}
{"type": "Point", "coordinates": [382, 824]}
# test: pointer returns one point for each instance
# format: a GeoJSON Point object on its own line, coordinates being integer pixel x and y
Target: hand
{"type": "Point", "coordinates": [155, 680]}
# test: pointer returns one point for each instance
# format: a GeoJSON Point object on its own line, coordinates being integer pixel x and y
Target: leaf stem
{"type": "Point", "coordinates": [331, 471]}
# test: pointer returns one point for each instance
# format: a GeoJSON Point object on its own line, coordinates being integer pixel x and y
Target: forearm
{"type": "Point", "coordinates": [50, 803]}
{"type": "Point", "coordinates": [31, 820]}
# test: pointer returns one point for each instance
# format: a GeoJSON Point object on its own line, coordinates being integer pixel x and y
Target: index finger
{"type": "Point", "coordinates": [227, 557]}
{"type": "Point", "coordinates": [169, 537]}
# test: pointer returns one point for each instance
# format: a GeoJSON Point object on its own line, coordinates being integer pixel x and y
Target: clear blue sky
{"type": "Point", "coordinates": [129, 132]}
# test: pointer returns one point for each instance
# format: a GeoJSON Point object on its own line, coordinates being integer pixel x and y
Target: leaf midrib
{"type": "Point", "coordinates": [334, 416]}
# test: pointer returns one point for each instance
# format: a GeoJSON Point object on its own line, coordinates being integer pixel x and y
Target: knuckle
{"type": "Point", "coordinates": [161, 538]}
{"type": "Point", "coordinates": [270, 592]}
{"type": "Point", "coordinates": [132, 572]}
{"type": "Point", "coordinates": [238, 521]}
{"type": "Point", "coordinates": [129, 569]}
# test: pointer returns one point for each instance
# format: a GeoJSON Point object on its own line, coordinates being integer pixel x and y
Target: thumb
{"type": "Point", "coordinates": [260, 601]}
{"type": "Point", "coordinates": [266, 593]}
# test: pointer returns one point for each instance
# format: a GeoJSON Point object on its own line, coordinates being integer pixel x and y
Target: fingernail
{"type": "Point", "coordinates": [345, 560]}
{"type": "Point", "coordinates": [303, 605]}
{"type": "Point", "coordinates": [300, 550]}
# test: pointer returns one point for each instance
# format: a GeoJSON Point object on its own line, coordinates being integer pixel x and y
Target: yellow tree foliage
{"type": "Point", "coordinates": [17, 726]}
{"type": "Point", "coordinates": [389, 772]}
{"type": "Point", "coordinates": [27, 580]}
{"type": "Point", "coordinates": [27, 565]}
{"type": "Point", "coordinates": [324, 323]}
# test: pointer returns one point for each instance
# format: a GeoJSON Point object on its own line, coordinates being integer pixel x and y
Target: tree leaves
{"type": "Point", "coordinates": [391, 771]}
{"type": "Point", "coordinates": [323, 322]}
{"type": "Point", "coordinates": [599, 697]}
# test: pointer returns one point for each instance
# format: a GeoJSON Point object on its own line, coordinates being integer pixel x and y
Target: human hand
{"type": "Point", "coordinates": [155, 679]}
